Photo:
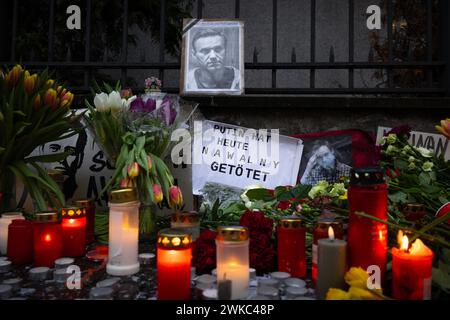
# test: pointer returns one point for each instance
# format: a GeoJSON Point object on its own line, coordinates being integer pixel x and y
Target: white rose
{"type": "Point", "coordinates": [425, 152]}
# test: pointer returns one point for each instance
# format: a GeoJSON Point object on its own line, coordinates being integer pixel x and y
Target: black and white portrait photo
{"type": "Point", "coordinates": [326, 159]}
{"type": "Point", "coordinates": [212, 57]}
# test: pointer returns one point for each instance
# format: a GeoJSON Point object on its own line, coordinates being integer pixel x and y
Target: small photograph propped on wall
{"type": "Point", "coordinates": [212, 59]}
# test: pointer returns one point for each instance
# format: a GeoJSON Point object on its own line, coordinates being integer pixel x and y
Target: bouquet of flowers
{"type": "Point", "coordinates": [135, 131]}
{"type": "Point", "coordinates": [34, 110]}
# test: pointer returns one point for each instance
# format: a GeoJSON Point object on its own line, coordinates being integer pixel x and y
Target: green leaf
{"type": "Point", "coordinates": [424, 179]}
{"type": "Point", "coordinates": [441, 279]}
{"type": "Point", "coordinates": [398, 197]}
{"type": "Point", "coordinates": [259, 194]}
{"type": "Point", "coordinates": [48, 157]}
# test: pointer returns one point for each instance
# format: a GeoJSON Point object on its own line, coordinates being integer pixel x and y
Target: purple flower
{"type": "Point", "coordinates": [138, 105]}
{"type": "Point", "coordinates": [403, 130]}
{"type": "Point", "coordinates": [168, 113]}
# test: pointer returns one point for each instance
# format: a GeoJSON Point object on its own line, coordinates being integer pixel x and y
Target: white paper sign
{"type": "Point", "coordinates": [240, 157]}
{"type": "Point", "coordinates": [434, 142]}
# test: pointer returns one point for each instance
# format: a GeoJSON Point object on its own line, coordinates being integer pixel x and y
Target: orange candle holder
{"type": "Point", "coordinates": [411, 270]}
{"type": "Point", "coordinates": [174, 255]}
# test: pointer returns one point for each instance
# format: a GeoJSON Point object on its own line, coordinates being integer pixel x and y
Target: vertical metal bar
{"type": "Point", "coordinates": [237, 9]}
{"type": "Point", "coordinates": [430, 41]}
{"type": "Point", "coordinates": [87, 48]}
{"type": "Point", "coordinates": [199, 9]}
{"type": "Point", "coordinates": [14, 30]}
{"type": "Point", "coordinates": [351, 40]}
{"type": "Point", "coordinates": [51, 29]}
{"type": "Point", "coordinates": [124, 41]}
{"type": "Point", "coordinates": [390, 12]}
{"type": "Point", "coordinates": [274, 41]}
{"type": "Point", "coordinates": [162, 41]}
{"type": "Point", "coordinates": [444, 12]}
{"type": "Point", "coordinates": [312, 72]}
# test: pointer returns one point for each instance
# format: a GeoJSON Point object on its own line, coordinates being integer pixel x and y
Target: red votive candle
{"type": "Point", "coordinates": [20, 242]}
{"type": "Point", "coordinates": [291, 246]}
{"type": "Point", "coordinates": [89, 206]}
{"type": "Point", "coordinates": [411, 271]}
{"type": "Point", "coordinates": [174, 254]}
{"type": "Point", "coordinates": [321, 232]}
{"type": "Point", "coordinates": [74, 231]}
{"type": "Point", "coordinates": [48, 244]}
{"type": "Point", "coordinates": [367, 239]}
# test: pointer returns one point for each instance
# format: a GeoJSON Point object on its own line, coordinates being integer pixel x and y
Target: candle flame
{"type": "Point", "coordinates": [330, 233]}
{"type": "Point", "coordinates": [418, 248]}
{"type": "Point", "coordinates": [48, 238]}
{"type": "Point", "coordinates": [405, 243]}
{"type": "Point", "coordinates": [71, 221]}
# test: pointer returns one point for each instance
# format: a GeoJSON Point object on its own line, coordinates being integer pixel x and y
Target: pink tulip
{"type": "Point", "coordinates": [133, 170]}
{"type": "Point", "coordinates": [157, 193]}
{"type": "Point", "coordinates": [149, 163]}
{"type": "Point", "coordinates": [175, 196]}
{"type": "Point", "coordinates": [444, 128]}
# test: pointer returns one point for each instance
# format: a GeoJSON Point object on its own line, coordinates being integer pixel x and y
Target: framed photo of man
{"type": "Point", "coordinates": [212, 60]}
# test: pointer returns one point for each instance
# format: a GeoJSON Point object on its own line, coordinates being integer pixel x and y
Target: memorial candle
{"type": "Point", "coordinates": [48, 243]}
{"type": "Point", "coordinates": [89, 206]}
{"type": "Point", "coordinates": [411, 270]}
{"type": "Point", "coordinates": [233, 259]}
{"type": "Point", "coordinates": [291, 246]}
{"type": "Point", "coordinates": [20, 242]}
{"type": "Point", "coordinates": [5, 221]}
{"type": "Point", "coordinates": [174, 254]}
{"type": "Point", "coordinates": [190, 221]}
{"type": "Point", "coordinates": [331, 264]}
{"type": "Point", "coordinates": [74, 231]}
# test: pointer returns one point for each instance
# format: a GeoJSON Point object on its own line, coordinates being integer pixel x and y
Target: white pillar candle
{"type": "Point", "coordinates": [5, 221]}
{"type": "Point", "coordinates": [123, 233]}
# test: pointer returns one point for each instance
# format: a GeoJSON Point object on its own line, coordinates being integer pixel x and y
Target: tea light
{"type": "Point", "coordinates": [174, 253]}
{"type": "Point", "coordinates": [280, 276]}
{"type": "Point", "coordinates": [206, 279]}
{"type": "Point", "coordinates": [294, 292]}
{"type": "Point", "coordinates": [63, 263]}
{"type": "Point", "coordinates": [199, 288]}
{"type": "Point", "coordinates": [5, 266]}
{"type": "Point", "coordinates": [268, 282]}
{"type": "Point", "coordinates": [146, 258]}
{"type": "Point", "coordinates": [74, 231]}
{"type": "Point", "coordinates": [210, 294]}
{"type": "Point", "coordinates": [269, 292]}
{"type": "Point", "coordinates": [104, 293]}
{"type": "Point", "coordinates": [39, 273]}
{"type": "Point", "coordinates": [14, 283]}
{"type": "Point", "coordinates": [295, 282]}
{"type": "Point", "coordinates": [61, 275]}
{"type": "Point", "coordinates": [110, 282]}
{"type": "Point", "coordinates": [5, 291]}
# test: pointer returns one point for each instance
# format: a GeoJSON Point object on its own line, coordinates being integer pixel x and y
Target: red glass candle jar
{"type": "Point", "coordinates": [367, 239]}
{"type": "Point", "coordinates": [291, 246]}
{"type": "Point", "coordinates": [20, 242]}
{"type": "Point", "coordinates": [174, 253]}
{"type": "Point", "coordinates": [48, 244]}
{"type": "Point", "coordinates": [89, 206]}
{"type": "Point", "coordinates": [74, 231]}
{"type": "Point", "coordinates": [321, 232]}
{"type": "Point", "coordinates": [412, 272]}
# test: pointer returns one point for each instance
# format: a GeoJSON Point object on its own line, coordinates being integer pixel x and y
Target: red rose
{"type": "Point", "coordinates": [204, 252]}
{"type": "Point", "coordinates": [283, 205]}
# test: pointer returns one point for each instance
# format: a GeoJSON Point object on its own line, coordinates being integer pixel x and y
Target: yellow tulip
{"type": "Point", "coordinates": [357, 293]}
{"type": "Point", "coordinates": [50, 82]}
{"type": "Point", "coordinates": [356, 277]}
{"type": "Point", "coordinates": [337, 294]}
{"type": "Point", "coordinates": [50, 98]}
{"type": "Point", "coordinates": [29, 82]}
{"type": "Point", "coordinates": [15, 73]}
{"type": "Point", "coordinates": [444, 128]}
{"type": "Point", "coordinates": [66, 99]}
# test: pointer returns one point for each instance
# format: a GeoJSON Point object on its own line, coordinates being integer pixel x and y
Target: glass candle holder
{"type": "Point", "coordinates": [123, 232]}
{"type": "Point", "coordinates": [74, 231]}
{"type": "Point", "coordinates": [188, 220]}
{"type": "Point", "coordinates": [48, 244]}
{"type": "Point", "coordinates": [232, 244]}
{"type": "Point", "coordinates": [89, 206]}
{"type": "Point", "coordinates": [5, 221]}
{"type": "Point", "coordinates": [367, 239]}
{"type": "Point", "coordinates": [20, 242]}
{"type": "Point", "coordinates": [291, 246]}
{"type": "Point", "coordinates": [321, 232]}
{"type": "Point", "coordinates": [173, 257]}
